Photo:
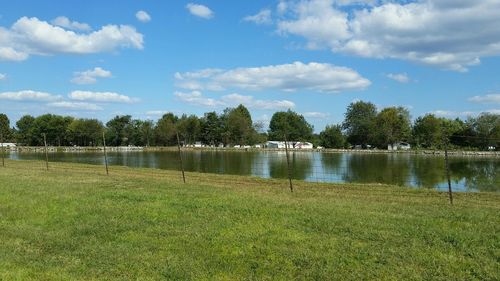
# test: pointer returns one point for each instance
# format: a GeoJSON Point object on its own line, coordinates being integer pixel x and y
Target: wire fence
{"type": "Point", "coordinates": [288, 167]}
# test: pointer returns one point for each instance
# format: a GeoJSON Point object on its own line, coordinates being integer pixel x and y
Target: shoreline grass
{"type": "Point", "coordinates": [74, 222]}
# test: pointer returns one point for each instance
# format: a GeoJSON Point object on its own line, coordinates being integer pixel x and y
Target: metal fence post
{"type": "Point", "coordinates": [180, 157]}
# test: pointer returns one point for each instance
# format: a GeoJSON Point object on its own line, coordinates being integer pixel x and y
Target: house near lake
{"type": "Point", "coordinates": [291, 144]}
{"type": "Point", "coordinates": [399, 146]}
{"type": "Point", "coordinates": [7, 144]}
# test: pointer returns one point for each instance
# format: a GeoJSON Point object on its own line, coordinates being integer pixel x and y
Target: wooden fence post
{"type": "Point", "coordinates": [46, 152]}
{"type": "Point", "coordinates": [105, 153]}
{"type": "Point", "coordinates": [180, 157]}
{"type": "Point", "coordinates": [288, 164]}
{"type": "Point", "coordinates": [450, 193]}
{"type": "Point", "coordinates": [3, 149]}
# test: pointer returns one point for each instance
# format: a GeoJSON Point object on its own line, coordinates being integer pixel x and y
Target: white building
{"type": "Point", "coordinates": [291, 144]}
{"type": "Point", "coordinates": [7, 144]}
{"type": "Point", "coordinates": [399, 146]}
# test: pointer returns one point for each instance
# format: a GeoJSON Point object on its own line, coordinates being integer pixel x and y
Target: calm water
{"type": "Point", "coordinates": [467, 173]}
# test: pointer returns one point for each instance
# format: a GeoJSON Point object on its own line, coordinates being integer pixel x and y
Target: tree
{"type": "Point", "coordinates": [392, 125]}
{"type": "Point", "coordinates": [293, 124]}
{"type": "Point", "coordinates": [54, 127]}
{"type": "Point", "coordinates": [238, 126]}
{"type": "Point", "coordinates": [359, 122]}
{"type": "Point", "coordinates": [25, 130]}
{"type": "Point", "coordinates": [85, 132]}
{"type": "Point", "coordinates": [5, 131]}
{"type": "Point", "coordinates": [427, 131]}
{"type": "Point", "coordinates": [211, 128]}
{"type": "Point", "coordinates": [147, 132]}
{"type": "Point", "coordinates": [332, 137]}
{"type": "Point", "coordinates": [189, 128]}
{"type": "Point", "coordinates": [487, 129]}
{"type": "Point", "coordinates": [117, 132]}
{"type": "Point", "coordinates": [165, 130]}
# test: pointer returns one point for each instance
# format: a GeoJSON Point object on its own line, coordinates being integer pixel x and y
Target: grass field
{"type": "Point", "coordinates": [75, 223]}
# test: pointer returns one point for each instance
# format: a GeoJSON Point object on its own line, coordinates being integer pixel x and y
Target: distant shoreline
{"type": "Point", "coordinates": [174, 148]}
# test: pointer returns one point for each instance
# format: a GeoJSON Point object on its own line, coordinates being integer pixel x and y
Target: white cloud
{"type": "Point", "coordinates": [443, 33]}
{"type": "Point", "coordinates": [31, 36]}
{"type": "Point", "coordinates": [200, 11]}
{"type": "Point", "coordinates": [316, 115]}
{"type": "Point", "coordinates": [3, 76]}
{"type": "Point", "coordinates": [250, 102]}
{"type": "Point", "coordinates": [28, 95]}
{"type": "Point", "coordinates": [400, 77]}
{"type": "Point", "coordinates": [75, 106]}
{"type": "Point", "coordinates": [101, 97]}
{"type": "Point", "coordinates": [454, 114]}
{"type": "Point", "coordinates": [320, 77]}
{"type": "Point", "coordinates": [90, 76]}
{"type": "Point", "coordinates": [493, 98]}
{"type": "Point", "coordinates": [196, 98]}
{"type": "Point", "coordinates": [232, 100]}
{"type": "Point", "coordinates": [72, 25]}
{"type": "Point", "coordinates": [262, 17]}
{"type": "Point", "coordinates": [142, 16]}
{"type": "Point", "coordinates": [156, 112]}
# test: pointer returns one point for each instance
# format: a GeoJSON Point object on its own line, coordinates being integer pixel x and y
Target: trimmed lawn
{"type": "Point", "coordinates": [74, 222]}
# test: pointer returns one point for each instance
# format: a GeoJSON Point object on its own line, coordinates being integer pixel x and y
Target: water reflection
{"type": "Point", "coordinates": [467, 173]}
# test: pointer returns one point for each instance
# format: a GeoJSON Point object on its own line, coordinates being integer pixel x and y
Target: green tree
{"type": "Point", "coordinates": [211, 128]}
{"type": "Point", "coordinates": [392, 124]}
{"type": "Point", "coordinates": [85, 132]}
{"type": "Point", "coordinates": [332, 137]}
{"type": "Point", "coordinates": [238, 126]}
{"type": "Point", "coordinates": [189, 128]}
{"type": "Point", "coordinates": [165, 130]}
{"type": "Point", "coordinates": [5, 131]}
{"type": "Point", "coordinates": [117, 130]}
{"type": "Point", "coordinates": [359, 122]}
{"type": "Point", "coordinates": [54, 127]}
{"type": "Point", "coordinates": [25, 130]}
{"type": "Point", "coordinates": [147, 132]}
{"type": "Point", "coordinates": [293, 124]}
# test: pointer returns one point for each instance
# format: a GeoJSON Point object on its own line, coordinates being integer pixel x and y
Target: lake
{"type": "Point", "coordinates": [468, 173]}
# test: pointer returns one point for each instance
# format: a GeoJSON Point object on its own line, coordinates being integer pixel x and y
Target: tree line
{"type": "Point", "coordinates": [363, 125]}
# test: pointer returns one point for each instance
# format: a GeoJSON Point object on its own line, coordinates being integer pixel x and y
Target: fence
{"type": "Point", "coordinates": [290, 166]}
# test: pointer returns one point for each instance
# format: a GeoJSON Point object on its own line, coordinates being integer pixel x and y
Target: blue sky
{"type": "Point", "coordinates": [103, 58]}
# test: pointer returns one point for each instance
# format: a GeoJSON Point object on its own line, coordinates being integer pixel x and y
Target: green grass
{"type": "Point", "coordinates": [75, 223]}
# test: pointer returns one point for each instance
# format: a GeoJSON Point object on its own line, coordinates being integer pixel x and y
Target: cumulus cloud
{"type": "Point", "coordinates": [316, 115]}
{"type": "Point", "coordinates": [64, 22]}
{"type": "Point", "coordinates": [320, 77]}
{"type": "Point", "coordinates": [231, 100]}
{"type": "Point", "coordinates": [31, 36]}
{"type": "Point", "coordinates": [101, 97]}
{"type": "Point", "coordinates": [200, 11]}
{"type": "Point", "coordinates": [84, 106]}
{"type": "Point", "coordinates": [156, 112]}
{"type": "Point", "coordinates": [400, 77]}
{"type": "Point", "coordinates": [90, 76]}
{"type": "Point", "coordinates": [262, 17]}
{"type": "Point", "coordinates": [142, 16]}
{"type": "Point", "coordinates": [28, 95]}
{"type": "Point", "coordinates": [447, 34]}
{"type": "Point", "coordinates": [493, 98]}
{"type": "Point", "coordinates": [3, 76]}
{"type": "Point", "coordinates": [454, 114]}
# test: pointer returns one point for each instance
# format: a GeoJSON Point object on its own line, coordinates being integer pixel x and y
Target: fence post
{"type": "Point", "coordinates": [180, 157]}
{"type": "Point", "coordinates": [3, 149]}
{"type": "Point", "coordinates": [105, 153]}
{"type": "Point", "coordinates": [46, 152]}
{"type": "Point", "coordinates": [288, 164]}
{"type": "Point", "coordinates": [450, 193]}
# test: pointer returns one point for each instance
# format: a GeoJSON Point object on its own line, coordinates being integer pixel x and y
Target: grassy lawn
{"type": "Point", "coordinates": [74, 222]}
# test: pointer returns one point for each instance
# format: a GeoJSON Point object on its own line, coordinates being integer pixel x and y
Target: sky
{"type": "Point", "coordinates": [98, 59]}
